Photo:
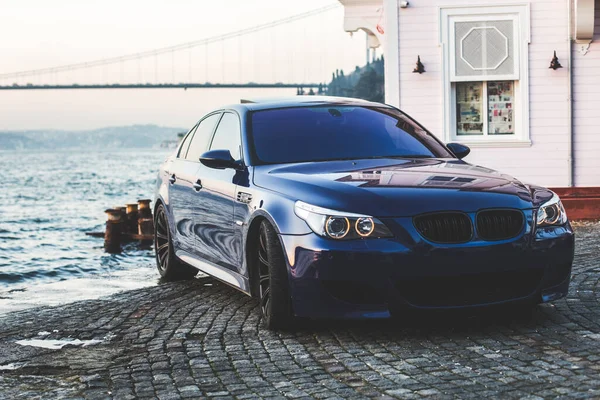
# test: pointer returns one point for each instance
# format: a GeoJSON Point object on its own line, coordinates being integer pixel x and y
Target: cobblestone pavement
{"type": "Point", "coordinates": [202, 339]}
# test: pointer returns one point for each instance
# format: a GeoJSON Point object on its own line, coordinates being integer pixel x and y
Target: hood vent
{"type": "Point", "coordinates": [446, 227]}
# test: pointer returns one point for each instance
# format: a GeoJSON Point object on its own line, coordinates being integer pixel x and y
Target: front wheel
{"type": "Point", "coordinates": [169, 266]}
{"type": "Point", "coordinates": [273, 286]}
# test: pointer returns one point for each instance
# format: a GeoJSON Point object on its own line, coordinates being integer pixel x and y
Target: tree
{"type": "Point", "coordinates": [365, 82]}
{"type": "Point", "coordinates": [370, 86]}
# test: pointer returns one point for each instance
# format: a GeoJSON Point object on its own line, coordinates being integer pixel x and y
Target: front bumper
{"type": "Point", "coordinates": [371, 278]}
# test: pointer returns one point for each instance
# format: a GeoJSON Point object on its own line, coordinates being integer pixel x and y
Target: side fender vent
{"type": "Point", "coordinates": [244, 197]}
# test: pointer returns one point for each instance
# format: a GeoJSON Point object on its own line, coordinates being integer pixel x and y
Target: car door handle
{"type": "Point", "coordinates": [198, 185]}
{"type": "Point", "coordinates": [172, 179]}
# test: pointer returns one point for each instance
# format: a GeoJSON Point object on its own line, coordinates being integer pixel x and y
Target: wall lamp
{"type": "Point", "coordinates": [554, 63]}
{"type": "Point", "coordinates": [420, 68]}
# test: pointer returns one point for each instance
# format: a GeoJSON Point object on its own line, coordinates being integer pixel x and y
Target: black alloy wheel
{"type": "Point", "coordinates": [169, 266]}
{"type": "Point", "coordinates": [273, 286]}
{"type": "Point", "coordinates": [264, 287]}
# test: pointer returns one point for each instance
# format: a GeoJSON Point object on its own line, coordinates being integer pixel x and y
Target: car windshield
{"type": "Point", "coordinates": [331, 132]}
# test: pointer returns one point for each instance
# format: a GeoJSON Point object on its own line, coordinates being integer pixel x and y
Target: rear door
{"type": "Point", "coordinates": [181, 218]}
{"type": "Point", "coordinates": [183, 177]}
{"type": "Point", "coordinates": [214, 220]}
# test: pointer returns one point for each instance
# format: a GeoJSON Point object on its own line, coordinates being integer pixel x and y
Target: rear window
{"type": "Point", "coordinates": [323, 133]}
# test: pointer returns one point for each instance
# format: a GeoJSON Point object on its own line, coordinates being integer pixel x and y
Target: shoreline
{"type": "Point", "coordinates": [51, 294]}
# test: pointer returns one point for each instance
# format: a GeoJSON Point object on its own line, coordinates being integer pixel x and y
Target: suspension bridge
{"type": "Point", "coordinates": [261, 56]}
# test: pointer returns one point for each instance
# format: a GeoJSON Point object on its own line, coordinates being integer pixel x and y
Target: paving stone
{"type": "Point", "coordinates": [187, 340]}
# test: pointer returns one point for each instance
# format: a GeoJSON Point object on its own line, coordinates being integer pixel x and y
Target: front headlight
{"type": "Point", "coordinates": [551, 212]}
{"type": "Point", "coordinates": [340, 225]}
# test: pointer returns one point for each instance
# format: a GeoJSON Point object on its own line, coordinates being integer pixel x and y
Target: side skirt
{"type": "Point", "coordinates": [226, 276]}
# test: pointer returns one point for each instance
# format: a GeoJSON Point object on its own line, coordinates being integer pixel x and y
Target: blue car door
{"type": "Point", "coordinates": [214, 225]}
{"type": "Point", "coordinates": [188, 186]}
{"type": "Point", "coordinates": [180, 173]}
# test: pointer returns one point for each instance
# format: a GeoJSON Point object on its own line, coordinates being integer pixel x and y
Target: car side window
{"type": "Point", "coordinates": [186, 143]}
{"type": "Point", "coordinates": [227, 136]}
{"type": "Point", "coordinates": [201, 137]}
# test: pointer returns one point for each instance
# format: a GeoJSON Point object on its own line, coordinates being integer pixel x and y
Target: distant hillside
{"type": "Point", "coordinates": [135, 136]}
{"type": "Point", "coordinates": [364, 82]}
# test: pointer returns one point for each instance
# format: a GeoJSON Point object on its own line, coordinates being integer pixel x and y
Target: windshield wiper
{"type": "Point", "coordinates": [354, 158]}
{"type": "Point", "coordinates": [401, 156]}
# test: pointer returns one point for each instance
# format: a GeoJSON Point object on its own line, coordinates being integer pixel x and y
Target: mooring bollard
{"type": "Point", "coordinates": [145, 226]}
{"type": "Point", "coordinates": [145, 222]}
{"type": "Point", "coordinates": [132, 217]}
{"type": "Point", "coordinates": [124, 232]}
{"type": "Point", "coordinates": [114, 229]}
{"type": "Point", "coordinates": [144, 209]}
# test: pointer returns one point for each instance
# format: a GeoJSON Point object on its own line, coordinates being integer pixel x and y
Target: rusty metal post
{"type": "Point", "coordinates": [124, 228]}
{"type": "Point", "coordinates": [114, 229]}
{"type": "Point", "coordinates": [144, 208]}
{"type": "Point", "coordinates": [145, 227]}
{"type": "Point", "coordinates": [132, 217]}
{"type": "Point", "coordinates": [145, 222]}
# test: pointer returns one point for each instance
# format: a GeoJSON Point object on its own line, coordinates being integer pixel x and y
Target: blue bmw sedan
{"type": "Point", "coordinates": [342, 208]}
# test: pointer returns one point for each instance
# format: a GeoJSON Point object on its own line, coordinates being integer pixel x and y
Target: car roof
{"type": "Point", "coordinates": [300, 101]}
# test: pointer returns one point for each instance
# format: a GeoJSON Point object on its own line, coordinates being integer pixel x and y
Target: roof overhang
{"type": "Point", "coordinates": [364, 15]}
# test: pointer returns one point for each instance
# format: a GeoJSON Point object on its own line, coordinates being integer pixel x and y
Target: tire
{"type": "Point", "coordinates": [273, 285]}
{"type": "Point", "coordinates": [169, 266]}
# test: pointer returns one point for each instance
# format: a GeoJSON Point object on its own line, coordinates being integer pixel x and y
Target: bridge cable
{"type": "Point", "coordinates": [163, 50]}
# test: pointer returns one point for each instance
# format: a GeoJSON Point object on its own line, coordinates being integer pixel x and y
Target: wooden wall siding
{"type": "Point", "coordinates": [421, 95]}
{"type": "Point", "coordinates": [546, 161]}
{"type": "Point", "coordinates": [586, 110]}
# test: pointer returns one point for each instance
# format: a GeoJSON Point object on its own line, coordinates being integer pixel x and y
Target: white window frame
{"type": "Point", "coordinates": [520, 12]}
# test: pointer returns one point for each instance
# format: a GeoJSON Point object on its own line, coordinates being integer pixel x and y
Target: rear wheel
{"type": "Point", "coordinates": [169, 266]}
{"type": "Point", "coordinates": [273, 286]}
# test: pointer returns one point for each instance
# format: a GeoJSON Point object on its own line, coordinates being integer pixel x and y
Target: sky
{"type": "Point", "coordinates": [40, 33]}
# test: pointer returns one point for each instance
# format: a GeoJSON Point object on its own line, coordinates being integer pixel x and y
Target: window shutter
{"type": "Point", "coordinates": [484, 50]}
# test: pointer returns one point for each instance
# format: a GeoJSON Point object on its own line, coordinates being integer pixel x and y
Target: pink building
{"type": "Point", "coordinates": [487, 81]}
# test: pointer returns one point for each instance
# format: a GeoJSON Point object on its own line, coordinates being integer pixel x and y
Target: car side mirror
{"type": "Point", "coordinates": [459, 150]}
{"type": "Point", "coordinates": [219, 159]}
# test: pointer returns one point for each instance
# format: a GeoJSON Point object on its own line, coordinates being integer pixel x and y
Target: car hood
{"type": "Point", "coordinates": [395, 188]}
